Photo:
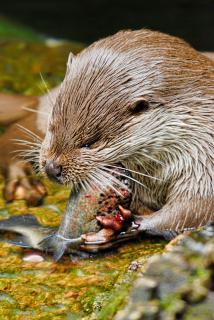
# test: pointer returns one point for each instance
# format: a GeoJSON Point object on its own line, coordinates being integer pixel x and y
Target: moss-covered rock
{"type": "Point", "coordinates": [178, 284]}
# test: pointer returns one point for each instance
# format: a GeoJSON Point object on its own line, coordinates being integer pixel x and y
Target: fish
{"type": "Point", "coordinates": [27, 231]}
{"type": "Point", "coordinates": [82, 215]}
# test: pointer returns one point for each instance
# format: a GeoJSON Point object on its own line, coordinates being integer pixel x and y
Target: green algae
{"type": "Point", "coordinates": [21, 66]}
{"type": "Point", "coordinates": [95, 285]}
{"type": "Point", "coordinates": [92, 288]}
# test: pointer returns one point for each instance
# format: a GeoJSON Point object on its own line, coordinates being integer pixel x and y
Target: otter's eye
{"type": "Point", "coordinates": [90, 144]}
{"type": "Point", "coordinates": [139, 106]}
{"type": "Point", "coordinates": [87, 146]}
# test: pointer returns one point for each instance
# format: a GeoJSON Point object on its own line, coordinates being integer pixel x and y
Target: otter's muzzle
{"type": "Point", "coordinates": [53, 170]}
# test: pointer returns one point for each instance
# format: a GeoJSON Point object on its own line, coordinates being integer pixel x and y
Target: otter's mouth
{"type": "Point", "coordinates": [112, 217]}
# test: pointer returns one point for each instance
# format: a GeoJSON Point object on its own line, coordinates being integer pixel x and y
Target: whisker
{"type": "Point", "coordinates": [26, 160]}
{"type": "Point", "coordinates": [24, 142]}
{"type": "Point", "coordinates": [47, 89]}
{"type": "Point", "coordinates": [25, 151]}
{"type": "Point", "coordinates": [128, 177]}
{"type": "Point", "coordinates": [88, 185]}
{"type": "Point", "coordinates": [153, 159]}
{"type": "Point", "coordinates": [137, 172]}
{"type": "Point", "coordinates": [82, 184]}
{"type": "Point", "coordinates": [94, 184]}
{"type": "Point", "coordinates": [28, 157]}
{"type": "Point", "coordinates": [112, 178]}
{"type": "Point", "coordinates": [150, 164]}
{"type": "Point", "coordinates": [35, 110]}
{"type": "Point", "coordinates": [29, 133]}
{"type": "Point", "coordinates": [98, 182]}
{"type": "Point", "coordinates": [107, 178]}
{"type": "Point", "coordinates": [147, 167]}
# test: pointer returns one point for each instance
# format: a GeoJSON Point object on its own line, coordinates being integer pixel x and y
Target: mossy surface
{"type": "Point", "coordinates": [92, 288]}
{"type": "Point", "coordinates": [71, 289]}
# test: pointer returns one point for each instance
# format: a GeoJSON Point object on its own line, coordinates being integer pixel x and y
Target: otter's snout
{"type": "Point", "coordinates": [53, 170]}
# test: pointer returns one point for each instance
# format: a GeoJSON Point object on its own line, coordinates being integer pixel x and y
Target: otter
{"type": "Point", "coordinates": [140, 98]}
{"type": "Point", "coordinates": [143, 99]}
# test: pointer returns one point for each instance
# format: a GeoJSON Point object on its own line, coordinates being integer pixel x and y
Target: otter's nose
{"type": "Point", "coordinates": [53, 170]}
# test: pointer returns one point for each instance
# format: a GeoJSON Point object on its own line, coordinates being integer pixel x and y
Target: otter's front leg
{"type": "Point", "coordinates": [168, 222]}
{"type": "Point", "coordinates": [179, 216]}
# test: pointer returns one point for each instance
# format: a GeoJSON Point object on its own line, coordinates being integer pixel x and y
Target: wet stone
{"type": "Point", "coordinates": [201, 311]}
{"type": "Point", "coordinates": [145, 289]}
{"type": "Point", "coordinates": [179, 283]}
{"type": "Point", "coordinates": [169, 274]}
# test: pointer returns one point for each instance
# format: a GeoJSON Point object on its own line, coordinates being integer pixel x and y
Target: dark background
{"type": "Point", "coordinates": [88, 20]}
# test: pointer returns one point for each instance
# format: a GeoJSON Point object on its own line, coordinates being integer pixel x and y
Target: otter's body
{"type": "Point", "coordinates": [144, 99]}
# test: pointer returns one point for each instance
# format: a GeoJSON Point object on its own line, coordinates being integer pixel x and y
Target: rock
{"type": "Point", "coordinates": [178, 284]}
{"type": "Point", "coordinates": [33, 258]}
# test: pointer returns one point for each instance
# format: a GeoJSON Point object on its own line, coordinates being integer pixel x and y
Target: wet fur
{"type": "Point", "coordinates": [172, 140]}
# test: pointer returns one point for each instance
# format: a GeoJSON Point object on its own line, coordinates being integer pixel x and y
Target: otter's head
{"type": "Point", "coordinates": [113, 105]}
{"type": "Point", "coordinates": [91, 124]}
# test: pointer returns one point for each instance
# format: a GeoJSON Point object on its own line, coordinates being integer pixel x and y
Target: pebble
{"type": "Point", "coordinates": [33, 258]}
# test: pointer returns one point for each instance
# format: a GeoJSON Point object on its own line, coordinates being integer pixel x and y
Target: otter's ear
{"type": "Point", "coordinates": [139, 106]}
{"type": "Point", "coordinates": [70, 59]}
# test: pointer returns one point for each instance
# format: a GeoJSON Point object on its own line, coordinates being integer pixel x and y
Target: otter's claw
{"type": "Point", "coordinates": [100, 244]}
{"type": "Point", "coordinates": [91, 242]}
{"type": "Point", "coordinates": [111, 234]}
{"type": "Point", "coordinates": [102, 236]}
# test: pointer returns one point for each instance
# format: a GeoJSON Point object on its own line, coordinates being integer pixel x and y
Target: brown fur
{"type": "Point", "coordinates": [172, 140]}
{"type": "Point", "coordinates": [20, 183]}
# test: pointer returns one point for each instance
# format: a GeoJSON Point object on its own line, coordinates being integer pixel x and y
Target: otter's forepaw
{"type": "Point", "coordinates": [102, 236]}
{"type": "Point", "coordinates": [25, 188]}
{"type": "Point", "coordinates": [149, 227]}
{"type": "Point", "coordinates": [107, 239]}
{"type": "Point", "coordinates": [98, 241]}
{"type": "Point", "coordinates": [116, 229]}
